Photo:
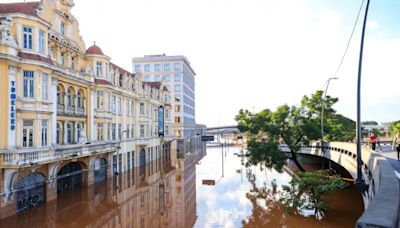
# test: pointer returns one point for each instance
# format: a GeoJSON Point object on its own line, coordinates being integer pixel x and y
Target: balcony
{"type": "Point", "coordinates": [60, 109]}
{"type": "Point", "coordinates": [26, 157]}
{"type": "Point", "coordinates": [70, 111]}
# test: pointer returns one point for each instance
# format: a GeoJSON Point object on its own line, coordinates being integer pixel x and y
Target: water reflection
{"type": "Point", "coordinates": [174, 196]}
{"type": "Point", "coordinates": [247, 197]}
{"type": "Point", "coordinates": [165, 198]}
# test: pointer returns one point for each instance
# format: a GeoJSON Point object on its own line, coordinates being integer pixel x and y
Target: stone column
{"type": "Point", "coordinates": [53, 96]}
{"type": "Point", "coordinates": [76, 137]}
{"type": "Point", "coordinates": [91, 117]}
{"type": "Point", "coordinates": [65, 132]}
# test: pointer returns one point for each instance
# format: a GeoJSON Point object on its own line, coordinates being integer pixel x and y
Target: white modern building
{"type": "Point", "coordinates": [179, 77]}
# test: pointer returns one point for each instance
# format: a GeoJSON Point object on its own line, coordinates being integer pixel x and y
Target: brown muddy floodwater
{"type": "Point", "coordinates": [178, 198]}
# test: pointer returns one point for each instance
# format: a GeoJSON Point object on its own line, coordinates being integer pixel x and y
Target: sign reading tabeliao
{"type": "Point", "coordinates": [160, 121]}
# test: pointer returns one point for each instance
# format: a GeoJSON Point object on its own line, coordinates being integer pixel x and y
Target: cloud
{"type": "Point", "coordinates": [373, 24]}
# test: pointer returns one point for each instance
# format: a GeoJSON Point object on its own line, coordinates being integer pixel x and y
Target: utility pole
{"type": "Point", "coordinates": [360, 183]}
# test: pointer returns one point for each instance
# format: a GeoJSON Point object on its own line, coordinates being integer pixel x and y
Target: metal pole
{"type": "Point", "coordinates": [360, 181]}
{"type": "Point", "coordinates": [322, 112]}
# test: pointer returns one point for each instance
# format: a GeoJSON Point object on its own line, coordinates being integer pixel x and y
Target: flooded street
{"type": "Point", "coordinates": [175, 196]}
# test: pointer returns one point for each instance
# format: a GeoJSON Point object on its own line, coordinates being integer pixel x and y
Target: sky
{"type": "Point", "coordinates": [257, 54]}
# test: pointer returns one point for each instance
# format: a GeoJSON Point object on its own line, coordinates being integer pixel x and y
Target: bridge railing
{"type": "Point", "coordinates": [382, 201]}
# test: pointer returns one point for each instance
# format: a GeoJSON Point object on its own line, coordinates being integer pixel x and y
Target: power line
{"type": "Point", "coordinates": [349, 41]}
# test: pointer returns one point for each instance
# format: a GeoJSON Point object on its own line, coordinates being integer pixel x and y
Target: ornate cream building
{"type": "Point", "coordinates": [69, 116]}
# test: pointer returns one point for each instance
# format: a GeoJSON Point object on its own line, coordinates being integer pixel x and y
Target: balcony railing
{"type": "Point", "coordinates": [60, 109]}
{"type": "Point", "coordinates": [80, 112]}
{"type": "Point", "coordinates": [47, 155]}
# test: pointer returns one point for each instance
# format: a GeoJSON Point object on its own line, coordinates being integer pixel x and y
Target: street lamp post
{"type": "Point", "coordinates": [322, 112]}
{"type": "Point", "coordinates": [360, 183]}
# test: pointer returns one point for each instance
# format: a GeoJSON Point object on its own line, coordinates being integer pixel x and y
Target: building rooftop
{"type": "Point", "coordinates": [94, 50]}
{"type": "Point", "coordinates": [163, 58]}
{"type": "Point", "coordinates": [28, 8]}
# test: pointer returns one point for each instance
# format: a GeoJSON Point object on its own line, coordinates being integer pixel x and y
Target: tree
{"type": "Point", "coordinates": [394, 127]}
{"type": "Point", "coordinates": [295, 125]}
{"type": "Point", "coordinates": [369, 122]}
{"type": "Point", "coordinates": [306, 191]}
{"type": "Point", "coordinates": [266, 128]}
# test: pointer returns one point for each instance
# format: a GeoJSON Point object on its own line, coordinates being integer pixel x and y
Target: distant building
{"type": "Point", "coordinates": [179, 77]}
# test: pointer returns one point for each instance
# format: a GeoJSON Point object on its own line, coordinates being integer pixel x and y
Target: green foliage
{"type": "Point", "coordinates": [394, 127]}
{"type": "Point", "coordinates": [266, 151]}
{"type": "Point", "coordinates": [306, 191]}
{"type": "Point", "coordinates": [296, 125]}
{"type": "Point", "coordinates": [369, 122]}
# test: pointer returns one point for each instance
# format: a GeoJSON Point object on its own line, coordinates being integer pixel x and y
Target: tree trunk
{"type": "Point", "coordinates": [296, 162]}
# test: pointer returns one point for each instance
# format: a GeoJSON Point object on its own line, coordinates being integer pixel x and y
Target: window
{"type": "Point", "coordinates": [41, 41]}
{"type": "Point", "coordinates": [142, 109]}
{"type": "Point", "coordinates": [167, 130]}
{"type": "Point", "coordinates": [78, 131]}
{"type": "Point", "coordinates": [99, 103]}
{"type": "Point", "coordinates": [45, 87]}
{"type": "Point", "coordinates": [27, 133]}
{"type": "Point", "coordinates": [114, 106]}
{"type": "Point", "coordinates": [28, 84]}
{"type": "Point", "coordinates": [69, 133]}
{"type": "Point", "coordinates": [142, 130]}
{"type": "Point", "coordinates": [168, 87]}
{"type": "Point", "coordinates": [157, 68]}
{"type": "Point", "coordinates": [128, 132]}
{"type": "Point", "coordinates": [70, 98]}
{"type": "Point", "coordinates": [79, 100]}
{"type": "Point", "coordinates": [178, 77]}
{"type": "Point", "coordinates": [44, 132]}
{"type": "Point", "coordinates": [147, 78]}
{"type": "Point", "coordinates": [166, 78]}
{"type": "Point", "coordinates": [177, 119]}
{"type": "Point", "coordinates": [58, 134]}
{"type": "Point", "coordinates": [167, 67]}
{"type": "Point", "coordinates": [177, 97]}
{"type": "Point", "coordinates": [132, 131]}
{"type": "Point", "coordinates": [120, 136]}
{"type": "Point", "coordinates": [177, 66]}
{"type": "Point", "coordinates": [157, 78]}
{"type": "Point", "coordinates": [177, 88]}
{"type": "Point", "coordinates": [100, 128]}
{"type": "Point", "coordinates": [119, 106]}
{"type": "Point", "coordinates": [114, 131]}
{"type": "Point", "coordinates": [98, 68]}
{"type": "Point", "coordinates": [147, 67]}
{"type": "Point", "coordinates": [132, 108]}
{"type": "Point", "coordinates": [137, 68]}
{"type": "Point", "coordinates": [177, 108]}
{"type": "Point", "coordinates": [27, 34]}
{"type": "Point", "coordinates": [108, 131]}
{"type": "Point", "coordinates": [62, 28]}
{"type": "Point", "coordinates": [72, 62]}
{"type": "Point", "coordinates": [59, 96]}
{"type": "Point", "coordinates": [62, 56]}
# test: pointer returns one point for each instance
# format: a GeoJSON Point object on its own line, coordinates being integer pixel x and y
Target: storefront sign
{"type": "Point", "coordinates": [161, 121]}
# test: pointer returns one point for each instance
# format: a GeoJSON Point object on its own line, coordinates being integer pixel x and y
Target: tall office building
{"type": "Point", "coordinates": [179, 77]}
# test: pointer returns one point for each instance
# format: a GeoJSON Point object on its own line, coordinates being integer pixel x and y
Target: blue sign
{"type": "Point", "coordinates": [160, 121]}
{"type": "Point", "coordinates": [13, 96]}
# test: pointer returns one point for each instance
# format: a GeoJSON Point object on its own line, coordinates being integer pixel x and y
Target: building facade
{"type": "Point", "coordinates": [69, 116]}
{"type": "Point", "coordinates": [179, 77]}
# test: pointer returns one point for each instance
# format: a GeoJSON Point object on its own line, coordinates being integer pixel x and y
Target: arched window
{"type": "Point", "coordinates": [69, 97]}
{"type": "Point", "coordinates": [58, 133]}
{"type": "Point", "coordinates": [78, 130]}
{"type": "Point", "coordinates": [59, 95]}
{"type": "Point", "coordinates": [79, 100]}
{"type": "Point", "coordinates": [69, 133]}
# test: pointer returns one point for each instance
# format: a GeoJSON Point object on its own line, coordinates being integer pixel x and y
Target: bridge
{"type": "Point", "coordinates": [382, 200]}
{"type": "Point", "coordinates": [222, 130]}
